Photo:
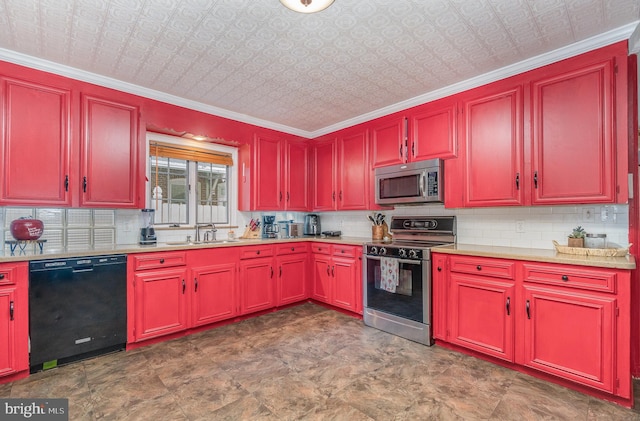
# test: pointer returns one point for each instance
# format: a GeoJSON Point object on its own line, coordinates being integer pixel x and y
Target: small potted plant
{"type": "Point", "coordinates": [576, 238]}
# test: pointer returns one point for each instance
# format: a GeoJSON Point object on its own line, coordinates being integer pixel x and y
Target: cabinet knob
{"type": "Point", "coordinates": [1, 275]}
{"type": "Point", "coordinates": [565, 278]}
{"type": "Point", "coordinates": [479, 267]}
{"type": "Point", "coordinates": [161, 260]}
{"type": "Point", "coordinates": [293, 249]}
{"type": "Point", "coordinates": [439, 269]}
{"type": "Point", "coordinates": [258, 252]}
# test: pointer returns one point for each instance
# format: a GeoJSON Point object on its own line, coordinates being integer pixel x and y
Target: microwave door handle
{"type": "Point", "coordinates": [423, 178]}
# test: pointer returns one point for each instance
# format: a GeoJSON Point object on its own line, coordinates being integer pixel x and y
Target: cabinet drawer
{"type": "Point", "coordinates": [252, 252]}
{"type": "Point", "coordinates": [484, 267]}
{"type": "Point", "coordinates": [323, 248]}
{"type": "Point", "coordinates": [291, 248]}
{"type": "Point", "coordinates": [7, 275]}
{"type": "Point", "coordinates": [346, 251]}
{"type": "Point", "coordinates": [159, 260]}
{"type": "Point", "coordinates": [572, 277]}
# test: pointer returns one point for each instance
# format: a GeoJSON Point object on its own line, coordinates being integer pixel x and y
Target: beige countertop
{"type": "Point", "coordinates": [538, 255]}
{"type": "Point", "coordinates": [53, 253]}
{"type": "Point", "coordinates": [515, 253]}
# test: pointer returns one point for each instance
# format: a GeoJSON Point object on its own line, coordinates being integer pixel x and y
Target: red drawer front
{"type": "Point", "coordinates": [347, 251]}
{"type": "Point", "coordinates": [483, 267]}
{"type": "Point", "coordinates": [589, 279]}
{"type": "Point", "coordinates": [324, 248]}
{"type": "Point", "coordinates": [256, 251]}
{"type": "Point", "coordinates": [159, 260]}
{"type": "Point", "coordinates": [291, 248]}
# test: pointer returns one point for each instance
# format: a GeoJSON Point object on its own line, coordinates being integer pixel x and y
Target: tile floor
{"type": "Point", "coordinates": [308, 363]}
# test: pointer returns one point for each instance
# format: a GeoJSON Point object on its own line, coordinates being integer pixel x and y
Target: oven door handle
{"type": "Point", "coordinates": [411, 262]}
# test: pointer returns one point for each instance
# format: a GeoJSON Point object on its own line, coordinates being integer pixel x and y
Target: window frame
{"type": "Point", "coordinates": [232, 182]}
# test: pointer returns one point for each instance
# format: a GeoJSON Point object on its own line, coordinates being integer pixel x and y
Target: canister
{"type": "Point", "coordinates": [596, 241]}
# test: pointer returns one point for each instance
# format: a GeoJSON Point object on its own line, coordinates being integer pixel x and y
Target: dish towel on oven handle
{"type": "Point", "coordinates": [389, 274]}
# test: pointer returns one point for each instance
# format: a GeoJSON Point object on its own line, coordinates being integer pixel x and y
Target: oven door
{"type": "Point", "coordinates": [398, 287]}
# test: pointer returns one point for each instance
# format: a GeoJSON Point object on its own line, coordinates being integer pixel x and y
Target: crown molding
{"type": "Point", "coordinates": [589, 44]}
{"type": "Point", "coordinates": [627, 32]}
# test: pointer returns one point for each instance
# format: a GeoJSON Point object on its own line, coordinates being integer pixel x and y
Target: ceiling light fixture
{"type": "Point", "coordinates": [307, 6]}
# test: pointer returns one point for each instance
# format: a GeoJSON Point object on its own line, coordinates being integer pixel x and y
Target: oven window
{"type": "Point", "coordinates": [399, 291]}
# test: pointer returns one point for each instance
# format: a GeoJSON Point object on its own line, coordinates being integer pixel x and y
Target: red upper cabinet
{"type": "Point", "coordinates": [268, 173]}
{"type": "Point", "coordinates": [274, 174]}
{"type": "Point", "coordinates": [109, 164]}
{"type": "Point", "coordinates": [296, 176]}
{"type": "Point", "coordinates": [36, 122]}
{"type": "Point", "coordinates": [493, 162]}
{"type": "Point", "coordinates": [573, 137]}
{"type": "Point", "coordinates": [353, 172]}
{"type": "Point", "coordinates": [341, 172]}
{"type": "Point", "coordinates": [388, 140]}
{"type": "Point", "coordinates": [433, 131]}
{"type": "Point", "coordinates": [324, 176]}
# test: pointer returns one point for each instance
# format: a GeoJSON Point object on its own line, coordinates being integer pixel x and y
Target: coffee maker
{"type": "Point", "coordinates": [312, 224]}
{"type": "Point", "coordinates": [269, 226]}
{"type": "Point", "coordinates": [147, 233]}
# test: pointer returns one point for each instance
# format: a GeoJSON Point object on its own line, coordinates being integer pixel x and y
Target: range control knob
{"type": "Point", "coordinates": [383, 251]}
{"type": "Point", "coordinates": [402, 253]}
{"type": "Point", "coordinates": [413, 254]}
{"type": "Point", "coordinates": [374, 250]}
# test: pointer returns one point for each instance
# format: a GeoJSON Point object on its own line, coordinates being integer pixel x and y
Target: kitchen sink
{"type": "Point", "coordinates": [192, 243]}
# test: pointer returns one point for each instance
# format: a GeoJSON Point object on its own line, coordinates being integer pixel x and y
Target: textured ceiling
{"type": "Point", "coordinates": [304, 72]}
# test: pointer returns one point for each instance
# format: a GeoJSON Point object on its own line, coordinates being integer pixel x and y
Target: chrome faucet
{"type": "Point", "coordinates": [209, 233]}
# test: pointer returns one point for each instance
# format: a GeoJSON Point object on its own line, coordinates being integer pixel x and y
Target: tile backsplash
{"type": "Point", "coordinates": [533, 227]}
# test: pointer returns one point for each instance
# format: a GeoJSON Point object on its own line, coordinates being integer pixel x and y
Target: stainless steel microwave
{"type": "Point", "coordinates": [411, 183]}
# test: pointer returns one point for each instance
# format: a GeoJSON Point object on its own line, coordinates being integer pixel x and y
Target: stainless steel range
{"type": "Point", "coordinates": [397, 276]}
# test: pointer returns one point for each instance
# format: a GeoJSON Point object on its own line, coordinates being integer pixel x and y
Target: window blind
{"type": "Point", "coordinates": [168, 150]}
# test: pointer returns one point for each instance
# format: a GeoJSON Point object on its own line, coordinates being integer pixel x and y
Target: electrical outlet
{"type": "Point", "coordinates": [588, 215]}
{"type": "Point", "coordinates": [519, 226]}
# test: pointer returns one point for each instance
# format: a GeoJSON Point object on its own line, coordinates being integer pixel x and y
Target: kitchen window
{"type": "Point", "coordinates": [189, 181]}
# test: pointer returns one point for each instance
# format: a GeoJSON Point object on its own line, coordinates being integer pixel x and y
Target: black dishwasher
{"type": "Point", "coordinates": [77, 309]}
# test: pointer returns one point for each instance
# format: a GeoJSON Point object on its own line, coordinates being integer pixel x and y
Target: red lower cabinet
{"type": "Point", "coordinates": [215, 292]}
{"type": "Point", "coordinates": [571, 335]}
{"type": "Point", "coordinates": [14, 319]}
{"type": "Point", "coordinates": [292, 263]}
{"type": "Point", "coordinates": [571, 322]}
{"type": "Point", "coordinates": [257, 278]}
{"type": "Point", "coordinates": [481, 315]}
{"type": "Point", "coordinates": [337, 276]}
{"type": "Point", "coordinates": [160, 302]}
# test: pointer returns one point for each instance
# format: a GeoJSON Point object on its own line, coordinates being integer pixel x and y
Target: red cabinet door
{"type": "Point", "coordinates": [439, 296]}
{"type": "Point", "coordinates": [388, 142]}
{"type": "Point", "coordinates": [573, 139]}
{"type": "Point", "coordinates": [257, 285]}
{"type": "Point", "coordinates": [160, 303]}
{"type": "Point", "coordinates": [324, 177]}
{"type": "Point", "coordinates": [433, 132]}
{"type": "Point", "coordinates": [8, 331]}
{"type": "Point", "coordinates": [353, 172]}
{"type": "Point", "coordinates": [345, 283]}
{"type": "Point", "coordinates": [493, 160]}
{"type": "Point", "coordinates": [36, 144]}
{"type": "Point", "coordinates": [571, 335]}
{"type": "Point", "coordinates": [482, 314]}
{"type": "Point", "coordinates": [297, 176]}
{"type": "Point", "coordinates": [268, 173]}
{"type": "Point", "coordinates": [214, 293]}
{"type": "Point", "coordinates": [109, 167]}
{"type": "Point", "coordinates": [322, 280]}
{"type": "Point", "coordinates": [292, 278]}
